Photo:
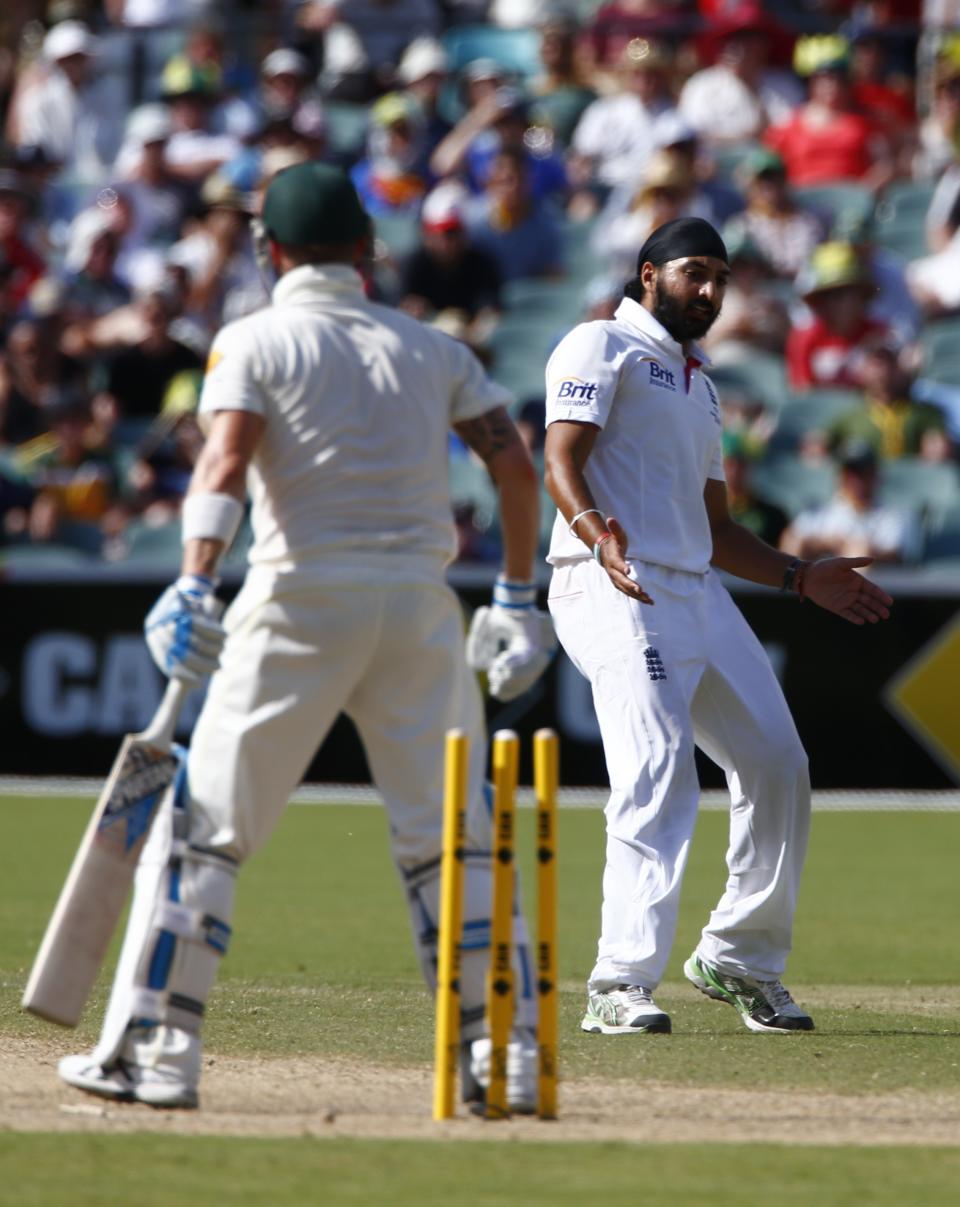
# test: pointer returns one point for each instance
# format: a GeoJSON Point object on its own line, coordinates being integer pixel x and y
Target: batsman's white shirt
{"type": "Point", "coordinates": [685, 672]}
{"type": "Point", "coordinates": [350, 476]}
{"type": "Point", "coordinates": [659, 439]}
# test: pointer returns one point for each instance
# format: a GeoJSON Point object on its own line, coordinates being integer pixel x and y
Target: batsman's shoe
{"type": "Point", "coordinates": [624, 1010]}
{"type": "Point", "coordinates": [159, 1066]}
{"type": "Point", "coordinates": [523, 1070]}
{"type": "Point", "coordinates": [763, 1005]}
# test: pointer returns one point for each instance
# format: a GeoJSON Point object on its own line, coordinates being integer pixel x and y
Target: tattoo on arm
{"type": "Point", "coordinates": [488, 434]}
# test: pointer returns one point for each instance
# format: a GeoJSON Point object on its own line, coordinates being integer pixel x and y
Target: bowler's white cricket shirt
{"type": "Point", "coordinates": [349, 480]}
{"type": "Point", "coordinates": [659, 440]}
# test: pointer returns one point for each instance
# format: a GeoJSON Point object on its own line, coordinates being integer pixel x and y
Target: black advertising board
{"type": "Point", "coordinates": [75, 675]}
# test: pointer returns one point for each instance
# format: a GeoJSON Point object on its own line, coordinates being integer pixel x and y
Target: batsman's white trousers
{"type": "Point", "coordinates": [687, 671]}
{"type": "Point", "coordinates": [391, 657]}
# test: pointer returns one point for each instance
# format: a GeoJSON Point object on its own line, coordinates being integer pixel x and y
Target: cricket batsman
{"type": "Point", "coordinates": [332, 413]}
{"type": "Point", "coordinates": [633, 462]}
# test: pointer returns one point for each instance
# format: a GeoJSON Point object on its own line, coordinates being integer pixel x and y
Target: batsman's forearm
{"type": "Point", "coordinates": [739, 552]}
{"type": "Point", "coordinates": [519, 517]}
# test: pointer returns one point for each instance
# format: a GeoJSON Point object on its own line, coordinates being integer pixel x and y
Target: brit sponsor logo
{"type": "Point", "coordinates": [659, 376]}
{"type": "Point", "coordinates": [577, 392]}
{"type": "Point", "coordinates": [654, 664]}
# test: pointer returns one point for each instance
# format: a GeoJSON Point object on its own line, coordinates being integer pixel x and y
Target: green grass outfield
{"type": "Point", "coordinates": [322, 965]}
{"type": "Point", "coordinates": [157, 1171]}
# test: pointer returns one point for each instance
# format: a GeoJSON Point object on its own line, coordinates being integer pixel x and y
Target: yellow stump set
{"type": "Point", "coordinates": [506, 751]}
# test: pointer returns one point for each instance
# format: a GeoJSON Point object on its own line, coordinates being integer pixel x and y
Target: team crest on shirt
{"type": "Point", "coordinates": [574, 391]}
{"type": "Point", "coordinates": [654, 664]}
{"type": "Point", "coordinates": [659, 376]}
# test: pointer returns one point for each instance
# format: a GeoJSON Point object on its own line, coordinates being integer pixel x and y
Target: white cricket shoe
{"type": "Point", "coordinates": [159, 1066]}
{"type": "Point", "coordinates": [624, 1010]}
{"type": "Point", "coordinates": [523, 1070]}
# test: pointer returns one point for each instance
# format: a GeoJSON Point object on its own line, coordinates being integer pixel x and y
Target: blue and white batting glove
{"type": "Point", "coordinates": [183, 629]}
{"type": "Point", "coordinates": [511, 640]}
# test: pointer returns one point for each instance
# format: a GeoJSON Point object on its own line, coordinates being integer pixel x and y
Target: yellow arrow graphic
{"type": "Point", "coordinates": [924, 696]}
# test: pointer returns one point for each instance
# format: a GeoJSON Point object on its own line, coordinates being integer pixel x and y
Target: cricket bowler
{"type": "Point", "coordinates": [333, 414]}
{"type": "Point", "coordinates": [633, 463]}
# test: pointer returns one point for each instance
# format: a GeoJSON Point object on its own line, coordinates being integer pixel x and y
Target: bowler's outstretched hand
{"type": "Point", "coordinates": [613, 558]}
{"type": "Point", "coordinates": [834, 584]}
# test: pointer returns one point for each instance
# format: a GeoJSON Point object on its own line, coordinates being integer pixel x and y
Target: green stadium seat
{"type": "Point", "coordinates": [346, 126]}
{"type": "Point", "coordinates": [811, 411]}
{"type": "Point", "coordinates": [845, 203]}
{"type": "Point", "coordinates": [794, 484]}
{"type": "Point", "coordinates": [900, 219]}
{"type": "Point", "coordinates": [941, 350]}
{"type": "Point", "coordinates": [943, 537]}
{"type": "Point", "coordinates": [516, 50]}
{"type": "Point", "coordinates": [727, 160]}
{"type": "Point", "coordinates": [400, 232]}
{"type": "Point", "coordinates": [471, 483]}
{"type": "Point", "coordinates": [910, 482]}
{"type": "Point", "coordinates": [44, 556]}
{"type": "Point", "coordinates": [160, 544]}
{"type": "Point", "coordinates": [762, 378]}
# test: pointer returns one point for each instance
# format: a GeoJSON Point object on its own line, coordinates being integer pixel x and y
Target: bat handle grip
{"type": "Point", "coordinates": [160, 730]}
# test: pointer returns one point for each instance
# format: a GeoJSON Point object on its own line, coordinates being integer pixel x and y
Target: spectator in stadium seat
{"type": "Point", "coordinates": [93, 288]}
{"type": "Point", "coordinates": [757, 515]}
{"type": "Point", "coordinates": [363, 40]}
{"type": "Point", "coordinates": [500, 122]}
{"type": "Point", "coordinates": [138, 375]}
{"type": "Point", "coordinates": [76, 501]}
{"type": "Point", "coordinates": [823, 350]}
{"type": "Point", "coordinates": [421, 74]}
{"type": "Point", "coordinates": [393, 177]}
{"type": "Point", "coordinates": [448, 273]}
{"type": "Point", "coordinates": [223, 279]}
{"type": "Point", "coordinates": [61, 107]}
{"type": "Point", "coordinates": [667, 191]}
{"type": "Point", "coordinates": [888, 420]}
{"type": "Point", "coordinates": [853, 523]}
{"type": "Point", "coordinates": [614, 138]}
{"type": "Point", "coordinates": [829, 138]}
{"type": "Point", "coordinates": [736, 98]}
{"type": "Point", "coordinates": [561, 93]}
{"type": "Point", "coordinates": [287, 88]}
{"type": "Point", "coordinates": [614, 25]}
{"type": "Point", "coordinates": [22, 262]}
{"type": "Point", "coordinates": [783, 231]}
{"type": "Point", "coordinates": [939, 131]}
{"type": "Point", "coordinates": [753, 319]}
{"type": "Point", "coordinates": [523, 234]}
{"type": "Point", "coordinates": [195, 148]}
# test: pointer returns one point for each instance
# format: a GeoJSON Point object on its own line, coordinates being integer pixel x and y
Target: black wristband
{"type": "Point", "coordinates": [790, 575]}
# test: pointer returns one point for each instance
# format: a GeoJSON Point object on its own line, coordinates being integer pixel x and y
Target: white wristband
{"type": "Point", "coordinates": [211, 517]}
{"type": "Point", "coordinates": [580, 515]}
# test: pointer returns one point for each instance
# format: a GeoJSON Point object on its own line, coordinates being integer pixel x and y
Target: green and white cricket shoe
{"type": "Point", "coordinates": [764, 1006]}
{"type": "Point", "coordinates": [624, 1010]}
{"type": "Point", "coordinates": [159, 1066]}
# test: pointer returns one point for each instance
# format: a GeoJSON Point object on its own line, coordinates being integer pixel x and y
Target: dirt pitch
{"type": "Point", "coordinates": [257, 1097]}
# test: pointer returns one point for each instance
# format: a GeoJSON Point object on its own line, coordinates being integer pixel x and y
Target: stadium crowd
{"type": "Point", "coordinates": [512, 155]}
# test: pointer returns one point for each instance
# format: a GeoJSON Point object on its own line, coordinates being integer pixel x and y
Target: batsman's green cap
{"type": "Point", "coordinates": [313, 203]}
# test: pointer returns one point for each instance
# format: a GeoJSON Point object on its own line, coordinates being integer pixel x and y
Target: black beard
{"type": "Point", "coordinates": [670, 314]}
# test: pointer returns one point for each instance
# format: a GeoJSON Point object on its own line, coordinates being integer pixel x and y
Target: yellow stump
{"type": "Point", "coordinates": [447, 1039]}
{"type": "Point", "coordinates": [546, 748]}
{"type": "Point", "coordinates": [506, 749]}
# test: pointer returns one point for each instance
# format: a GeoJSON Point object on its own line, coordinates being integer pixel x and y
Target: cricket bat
{"type": "Point", "coordinates": [96, 889]}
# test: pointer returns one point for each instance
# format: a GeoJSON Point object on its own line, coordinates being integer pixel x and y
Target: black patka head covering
{"type": "Point", "coordinates": [679, 238]}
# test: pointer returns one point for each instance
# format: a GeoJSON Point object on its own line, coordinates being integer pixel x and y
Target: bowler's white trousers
{"type": "Point", "coordinates": [687, 671]}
